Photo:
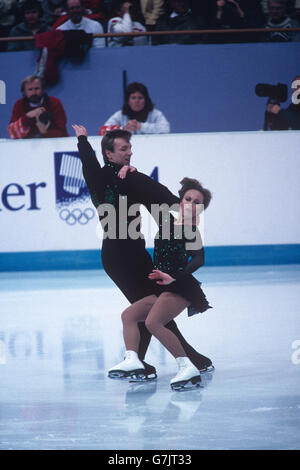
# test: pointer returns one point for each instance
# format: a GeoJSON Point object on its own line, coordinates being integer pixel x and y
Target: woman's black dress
{"type": "Point", "coordinates": [180, 254]}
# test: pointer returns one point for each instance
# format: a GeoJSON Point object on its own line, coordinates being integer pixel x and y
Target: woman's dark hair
{"type": "Point", "coordinates": [189, 183]}
{"type": "Point", "coordinates": [141, 115]}
{"type": "Point", "coordinates": [31, 5]}
{"type": "Point", "coordinates": [108, 140]}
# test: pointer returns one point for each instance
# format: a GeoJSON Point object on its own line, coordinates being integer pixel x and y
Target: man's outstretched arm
{"type": "Point", "coordinates": [91, 167]}
{"type": "Point", "coordinates": [147, 191]}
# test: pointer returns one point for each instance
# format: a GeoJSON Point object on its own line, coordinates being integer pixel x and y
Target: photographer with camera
{"type": "Point", "coordinates": [37, 114]}
{"type": "Point", "coordinates": [276, 118]}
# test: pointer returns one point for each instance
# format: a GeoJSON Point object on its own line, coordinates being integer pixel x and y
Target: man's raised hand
{"type": "Point", "coordinates": [79, 130]}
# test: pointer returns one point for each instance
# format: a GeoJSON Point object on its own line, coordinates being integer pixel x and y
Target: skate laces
{"type": "Point", "coordinates": [128, 355]}
{"type": "Point", "coordinates": [181, 363]}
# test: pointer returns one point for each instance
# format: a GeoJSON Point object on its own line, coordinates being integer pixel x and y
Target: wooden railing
{"type": "Point", "coordinates": [174, 33]}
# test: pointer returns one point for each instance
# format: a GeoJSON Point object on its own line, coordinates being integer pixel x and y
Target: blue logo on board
{"type": "Point", "coordinates": [71, 190]}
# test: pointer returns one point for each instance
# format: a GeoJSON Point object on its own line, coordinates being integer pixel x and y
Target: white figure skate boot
{"type": "Point", "coordinates": [188, 376]}
{"type": "Point", "coordinates": [131, 367]}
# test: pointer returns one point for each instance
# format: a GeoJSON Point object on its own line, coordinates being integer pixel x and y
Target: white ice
{"type": "Point", "coordinates": [61, 331]}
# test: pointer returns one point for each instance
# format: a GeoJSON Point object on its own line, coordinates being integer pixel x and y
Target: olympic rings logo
{"type": "Point", "coordinates": [77, 215]}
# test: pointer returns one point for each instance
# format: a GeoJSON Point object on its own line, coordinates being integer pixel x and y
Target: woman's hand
{"type": "Point", "coordinates": [124, 170]}
{"type": "Point", "coordinates": [160, 277]}
{"type": "Point", "coordinates": [133, 125]}
{"type": "Point", "coordinates": [126, 7]}
{"type": "Point", "coordinates": [79, 130]}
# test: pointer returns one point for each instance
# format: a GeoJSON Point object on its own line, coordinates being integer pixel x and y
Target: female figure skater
{"type": "Point", "coordinates": [175, 258]}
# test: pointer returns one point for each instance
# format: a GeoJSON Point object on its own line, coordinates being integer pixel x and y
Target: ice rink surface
{"type": "Point", "coordinates": [61, 331]}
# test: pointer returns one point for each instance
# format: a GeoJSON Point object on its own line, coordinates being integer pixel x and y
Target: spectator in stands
{"type": "Point", "coordinates": [7, 19]}
{"type": "Point", "coordinates": [52, 10]}
{"type": "Point", "coordinates": [296, 13]}
{"type": "Point", "coordinates": [126, 20]}
{"type": "Point", "coordinates": [229, 15]}
{"type": "Point", "coordinates": [278, 18]}
{"type": "Point", "coordinates": [37, 114]}
{"type": "Point", "coordinates": [138, 114]}
{"type": "Point", "coordinates": [252, 9]}
{"type": "Point", "coordinates": [93, 9]}
{"type": "Point", "coordinates": [79, 22]}
{"type": "Point", "coordinates": [290, 6]}
{"type": "Point", "coordinates": [31, 14]}
{"type": "Point", "coordinates": [236, 14]}
{"type": "Point", "coordinates": [178, 18]}
{"type": "Point", "coordinates": [278, 119]}
{"type": "Point", "coordinates": [152, 10]}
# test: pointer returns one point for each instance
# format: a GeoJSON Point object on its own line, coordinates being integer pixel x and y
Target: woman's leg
{"type": "Point", "coordinates": [166, 307]}
{"type": "Point", "coordinates": [134, 314]}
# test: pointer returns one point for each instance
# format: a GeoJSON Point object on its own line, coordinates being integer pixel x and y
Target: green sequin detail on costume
{"type": "Point", "coordinates": [170, 253]}
{"type": "Point", "coordinates": [111, 192]}
{"type": "Point", "coordinates": [110, 196]}
{"type": "Point", "coordinates": [95, 199]}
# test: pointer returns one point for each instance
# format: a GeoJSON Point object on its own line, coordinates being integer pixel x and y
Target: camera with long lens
{"type": "Point", "coordinates": [276, 93]}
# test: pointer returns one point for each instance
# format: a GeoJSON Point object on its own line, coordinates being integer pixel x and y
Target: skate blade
{"type": "Point", "coordinates": [185, 385]}
{"type": "Point", "coordinates": [123, 375]}
{"type": "Point", "coordinates": [118, 375]}
{"type": "Point", "coordinates": [143, 378]}
{"type": "Point", "coordinates": [207, 369]}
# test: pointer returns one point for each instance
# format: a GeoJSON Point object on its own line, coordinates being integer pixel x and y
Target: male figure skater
{"type": "Point", "coordinates": [125, 259]}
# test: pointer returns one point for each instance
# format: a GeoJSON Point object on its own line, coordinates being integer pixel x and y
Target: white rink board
{"type": "Point", "coordinates": [254, 178]}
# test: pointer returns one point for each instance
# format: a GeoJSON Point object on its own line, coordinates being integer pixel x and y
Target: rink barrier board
{"type": "Point", "coordinates": [91, 259]}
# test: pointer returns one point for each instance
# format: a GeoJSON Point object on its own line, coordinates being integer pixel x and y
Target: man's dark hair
{"type": "Point", "coordinates": [108, 140]}
{"type": "Point", "coordinates": [31, 5]}
{"type": "Point", "coordinates": [135, 10]}
{"type": "Point", "coordinates": [133, 88]}
{"type": "Point", "coordinates": [189, 183]}
{"type": "Point", "coordinates": [116, 5]}
{"type": "Point", "coordinates": [65, 4]}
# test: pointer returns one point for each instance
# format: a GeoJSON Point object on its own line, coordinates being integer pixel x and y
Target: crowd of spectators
{"type": "Point", "coordinates": [19, 18]}
{"type": "Point", "coordinates": [38, 115]}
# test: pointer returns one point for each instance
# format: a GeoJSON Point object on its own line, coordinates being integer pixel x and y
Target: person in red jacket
{"type": "Point", "coordinates": [37, 114]}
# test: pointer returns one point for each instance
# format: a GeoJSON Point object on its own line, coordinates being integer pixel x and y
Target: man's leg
{"type": "Point", "coordinates": [199, 361]}
{"type": "Point", "coordinates": [132, 279]}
